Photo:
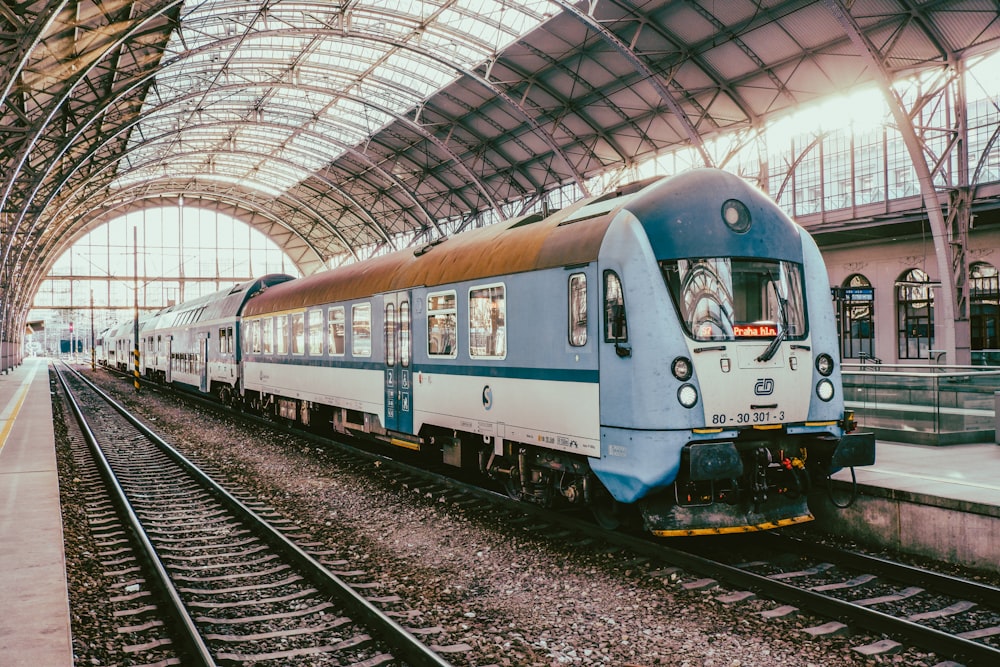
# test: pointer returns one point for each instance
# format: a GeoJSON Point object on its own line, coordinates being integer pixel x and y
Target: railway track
{"type": "Point", "coordinates": [949, 616]}
{"type": "Point", "coordinates": [203, 578]}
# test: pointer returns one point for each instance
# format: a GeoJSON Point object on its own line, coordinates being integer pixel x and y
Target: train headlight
{"type": "Point", "coordinates": [736, 215]}
{"type": "Point", "coordinates": [687, 395]}
{"type": "Point", "coordinates": [824, 364]}
{"type": "Point", "coordinates": [681, 368]}
{"type": "Point", "coordinates": [824, 389]}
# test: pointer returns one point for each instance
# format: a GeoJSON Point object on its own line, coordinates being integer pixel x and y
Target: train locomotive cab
{"type": "Point", "coordinates": [720, 396]}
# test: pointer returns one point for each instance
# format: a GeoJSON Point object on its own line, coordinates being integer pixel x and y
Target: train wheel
{"type": "Point", "coordinates": [512, 488]}
{"type": "Point", "coordinates": [608, 512]}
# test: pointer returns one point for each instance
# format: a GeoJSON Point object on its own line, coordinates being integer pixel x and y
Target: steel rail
{"type": "Point", "coordinates": [401, 640]}
{"type": "Point", "coordinates": [937, 581]}
{"type": "Point", "coordinates": [192, 644]}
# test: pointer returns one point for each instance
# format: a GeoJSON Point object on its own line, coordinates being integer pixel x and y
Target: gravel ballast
{"type": "Point", "coordinates": [500, 593]}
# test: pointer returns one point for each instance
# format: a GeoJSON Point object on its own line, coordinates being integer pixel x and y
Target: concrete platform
{"type": "Point", "coordinates": [942, 502]}
{"type": "Point", "coordinates": [34, 617]}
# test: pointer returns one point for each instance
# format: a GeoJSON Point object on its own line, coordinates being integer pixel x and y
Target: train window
{"type": "Point", "coordinates": [335, 331]}
{"type": "Point", "coordinates": [254, 337]}
{"type": "Point", "coordinates": [727, 298]}
{"type": "Point", "coordinates": [298, 333]}
{"type": "Point", "coordinates": [281, 334]}
{"type": "Point", "coordinates": [615, 322]}
{"type": "Point", "coordinates": [231, 344]}
{"type": "Point", "coordinates": [442, 325]}
{"type": "Point", "coordinates": [315, 333]}
{"type": "Point", "coordinates": [222, 341]}
{"type": "Point", "coordinates": [267, 335]}
{"type": "Point", "coordinates": [578, 309]}
{"type": "Point", "coordinates": [488, 322]}
{"type": "Point", "coordinates": [390, 334]}
{"type": "Point", "coordinates": [361, 330]}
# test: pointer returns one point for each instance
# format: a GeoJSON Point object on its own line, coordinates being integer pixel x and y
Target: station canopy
{"type": "Point", "coordinates": [344, 129]}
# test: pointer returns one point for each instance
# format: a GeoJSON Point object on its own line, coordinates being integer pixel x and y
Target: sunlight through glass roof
{"type": "Point", "coordinates": [265, 94]}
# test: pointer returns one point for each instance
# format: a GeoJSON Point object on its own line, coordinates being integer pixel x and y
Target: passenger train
{"type": "Point", "coordinates": [666, 353]}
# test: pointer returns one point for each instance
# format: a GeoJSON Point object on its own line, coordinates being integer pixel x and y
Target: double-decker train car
{"type": "Point", "coordinates": [666, 351]}
{"type": "Point", "coordinates": [100, 347]}
{"type": "Point", "coordinates": [195, 344]}
{"type": "Point", "coordinates": [118, 346]}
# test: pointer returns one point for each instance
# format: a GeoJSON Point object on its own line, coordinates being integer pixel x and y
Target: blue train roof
{"type": "Point", "coordinates": [683, 217]}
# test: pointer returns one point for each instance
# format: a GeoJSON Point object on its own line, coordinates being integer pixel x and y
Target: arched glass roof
{"type": "Point", "coordinates": [269, 93]}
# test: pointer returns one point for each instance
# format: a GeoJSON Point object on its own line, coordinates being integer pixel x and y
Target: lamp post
{"type": "Point", "coordinates": [135, 324]}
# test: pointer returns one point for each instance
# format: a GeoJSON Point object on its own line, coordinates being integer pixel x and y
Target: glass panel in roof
{"type": "Point", "coordinates": [232, 64]}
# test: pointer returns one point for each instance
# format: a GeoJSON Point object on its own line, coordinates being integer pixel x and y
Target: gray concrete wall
{"type": "Point", "coordinates": [952, 531]}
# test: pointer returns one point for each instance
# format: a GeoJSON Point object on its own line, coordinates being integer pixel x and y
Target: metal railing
{"type": "Point", "coordinates": [923, 404]}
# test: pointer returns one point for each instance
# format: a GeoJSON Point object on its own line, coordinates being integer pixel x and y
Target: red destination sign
{"type": "Point", "coordinates": [755, 330]}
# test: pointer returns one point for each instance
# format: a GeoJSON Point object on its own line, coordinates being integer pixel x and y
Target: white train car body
{"type": "Point", "coordinates": [668, 348]}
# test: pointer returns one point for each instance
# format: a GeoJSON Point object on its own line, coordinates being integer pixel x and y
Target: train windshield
{"type": "Point", "coordinates": [730, 298]}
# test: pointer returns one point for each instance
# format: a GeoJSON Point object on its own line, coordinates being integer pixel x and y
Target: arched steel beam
{"type": "Point", "coordinates": [595, 128]}
{"type": "Point", "coordinates": [97, 217]}
{"type": "Point", "coordinates": [411, 124]}
{"type": "Point", "coordinates": [124, 203]}
{"type": "Point", "coordinates": [317, 216]}
{"type": "Point", "coordinates": [545, 136]}
{"type": "Point", "coordinates": [29, 37]}
{"type": "Point", "coordinates": [155, 14]}
{"type": "Point", "coordinates": [445, 62]}
{"type": "Point", "coordinates": [99, 113]}
{"type": "Point", "coordinates": [299, 204]}
{"type": "Point", "coordinates": [370, 220]}
{"type": "Point", "coordinates": [253, 214]}
{"type": "Point", "coordinates": [932, 202]}
{"type": "Point", "coordinates": [643, 69]}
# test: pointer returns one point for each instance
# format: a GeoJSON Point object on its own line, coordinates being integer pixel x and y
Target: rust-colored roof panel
{"type": "Point", "coordinates": [483, 253]}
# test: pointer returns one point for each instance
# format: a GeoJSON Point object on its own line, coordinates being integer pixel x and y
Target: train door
{"type": "Point", "coordinates": [617, 366]}
{"type": "Point", "coordinates": [203, 361]}
{"type": "Point", "coordinates": [169, 361]}
{"type": "Point", "coordinates": [398, 355]}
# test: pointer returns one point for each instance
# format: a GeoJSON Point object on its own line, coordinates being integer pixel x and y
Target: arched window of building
{"type": "Point", "coordinates": [856, 314]}
{"type": "Point", "coordinates": [915, 314]}
{"type": "Point", "coordinates": [984, 306]}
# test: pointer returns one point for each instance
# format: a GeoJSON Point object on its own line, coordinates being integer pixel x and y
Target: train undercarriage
{"type": "Point", "coordinates": [744, 485]}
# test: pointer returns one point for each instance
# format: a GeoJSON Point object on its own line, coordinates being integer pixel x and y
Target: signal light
{"type": "Point", "coordinates": [681, 368]}
{"type": "Point", "coordinates": [824, 364]}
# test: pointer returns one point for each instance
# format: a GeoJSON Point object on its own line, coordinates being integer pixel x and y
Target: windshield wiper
{"type": "Point", "coordinates": [775, 345]}
{"type": "Point", "coordinates": [772, 349]}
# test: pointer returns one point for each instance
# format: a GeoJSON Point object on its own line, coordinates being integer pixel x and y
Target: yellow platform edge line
{"type": "Point", "coordinates": [8, 426]}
